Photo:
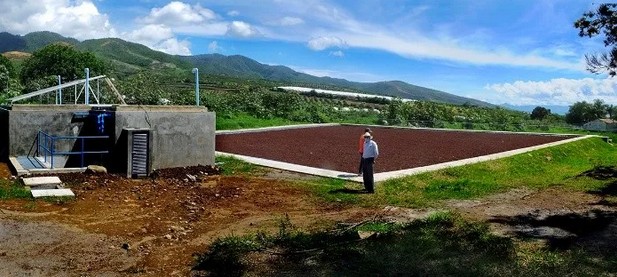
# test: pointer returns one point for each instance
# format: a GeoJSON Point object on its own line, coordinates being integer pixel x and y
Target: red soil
{"type": "Point", "coordinates": [335, 147]}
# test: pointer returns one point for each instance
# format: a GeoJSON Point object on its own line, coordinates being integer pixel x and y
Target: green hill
{"type": "Point", "coordinates": [243, 67]}
{"type": "Point", "coordinates": [38, 40]}
{"type": "Point", "coordinates": [128, 58]}
{"type": "Point", "coordinates": [10, 42]}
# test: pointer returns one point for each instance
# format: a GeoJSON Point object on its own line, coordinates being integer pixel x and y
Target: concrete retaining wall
{"type": "Point", "coordinates": [181, 135]}
{"type": "Point", "coordinates": [25, 121]}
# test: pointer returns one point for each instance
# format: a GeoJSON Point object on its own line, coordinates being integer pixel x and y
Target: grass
{"type": "Point", "coordinates": [13, 190]}
{"type": "Point", "coordinates": [443, 244]}
{"type": "Point", "coordinates": [232, 166]}
{"type": "Point", "coordinates": [245, 121]}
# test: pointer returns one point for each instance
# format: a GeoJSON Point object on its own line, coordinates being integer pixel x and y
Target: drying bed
{"type": "Point", "coordinates": [335, 147]}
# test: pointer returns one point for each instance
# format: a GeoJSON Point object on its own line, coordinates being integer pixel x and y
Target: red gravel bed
{"type": "Point", "coordinates": [335, 147]}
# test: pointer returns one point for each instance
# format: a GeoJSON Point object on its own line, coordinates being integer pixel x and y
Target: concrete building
{"type": "Point", "coordinates": [62, 136]}
{"type": "Point", "coordinates": [602, 124]}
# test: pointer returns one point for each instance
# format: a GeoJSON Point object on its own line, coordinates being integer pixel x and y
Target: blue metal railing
{"type": "Point", "coordinates": [46, 146]}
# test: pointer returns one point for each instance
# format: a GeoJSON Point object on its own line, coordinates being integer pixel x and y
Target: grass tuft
{"type": "Point", "coordinates": [232, 166]}
{"type": "Point", "coordinates": [13, 190]}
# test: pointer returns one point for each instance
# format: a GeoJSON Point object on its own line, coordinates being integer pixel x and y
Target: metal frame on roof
{"type": "Point", "coordinates": [75, 83]}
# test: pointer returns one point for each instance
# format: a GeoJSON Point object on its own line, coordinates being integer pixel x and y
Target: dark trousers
{"type": "Point", "coordinates": [360, 166]}
{"type": "Point", "coordinates": [367, 174]}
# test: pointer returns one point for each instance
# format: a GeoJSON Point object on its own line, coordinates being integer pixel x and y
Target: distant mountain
{"type": "Point", "coordinates": [240, 66]}
{"type": "Point", "coordinates": [556, 109]}
{"type": "Point", "coordinates": [31, 42]}
{"type": "Point", "coordinates": [10, 42]}
{"type": "Point", "coordinates": [38, 40]}
{"type": "Point", "coordinates": [130, 57]}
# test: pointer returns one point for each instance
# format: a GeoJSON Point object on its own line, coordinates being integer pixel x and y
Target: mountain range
{"type": "Point", "coordinates": [128, 57]}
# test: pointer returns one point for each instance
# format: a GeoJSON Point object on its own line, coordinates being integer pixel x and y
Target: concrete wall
{"type": "Point", "coordinates": [4, 134]}
{"type": "Point", "coordinates": [181, 135]}
{"type": "Point", "coordinates": [24, 122]}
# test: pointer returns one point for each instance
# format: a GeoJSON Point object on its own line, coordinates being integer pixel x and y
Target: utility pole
{"type": "Point", "coordinates": [196, 71]}
{"type": "Point", "coordinates": [86, 89]}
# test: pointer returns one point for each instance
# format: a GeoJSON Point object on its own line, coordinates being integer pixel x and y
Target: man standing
{"type": "Point", "coordinates": [361, 148]}
{"type": "Point", "coordinates": [369, 154]}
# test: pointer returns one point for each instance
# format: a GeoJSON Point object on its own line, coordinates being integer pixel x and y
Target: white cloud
{"type": "Point", "coordinates": [78, 19]}
{"type": "Point", "coordinates": [174, 47]}
{"type": "Point", "coordinates": [150, 34]}
{"type": "Point", "coordinates": [233, 13]}
{"type": "Point", "coordinates": [241, 29]}
{"type": "Point", "coordinates": [159, 37]}
{"type": "Point", "coordinates": [290, 21]}
{"type": "Point", "coordinates": [214, 47]}
{"type": "Point", "coordinates": [556, 91]}
{"type": "Point", "coordinates": [322, 43]}
{"type": "Point", "coordinates": [338, 53]}
{"type": "Point", "coordinates": [178, 14]}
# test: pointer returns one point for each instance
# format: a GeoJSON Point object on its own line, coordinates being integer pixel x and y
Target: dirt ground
{"type": "Point", "coordinates": [154, 226]}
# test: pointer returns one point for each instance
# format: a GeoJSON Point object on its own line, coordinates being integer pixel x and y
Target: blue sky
{"type": "Point", "coordinates": [524, 52]}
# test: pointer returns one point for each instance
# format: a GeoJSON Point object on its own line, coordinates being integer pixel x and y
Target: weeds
{"type": "Point", "coordinates": [232, 166]}
{"type": "Point", "coordinates": [13, 190]}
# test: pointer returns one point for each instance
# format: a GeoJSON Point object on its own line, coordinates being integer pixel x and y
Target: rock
{"type": "Point", "coordinates": [176, 229]}
{"type": "Point", "coordinates": [126, 246]}
{"type": "Point", "coordinates": [191, 177]}
{"type": "Point", "coordinates": [168, 236]}
{"type": "Point", "coordinates": [96, 169]}
{"type": "Point", "coordinates": [365, 234]}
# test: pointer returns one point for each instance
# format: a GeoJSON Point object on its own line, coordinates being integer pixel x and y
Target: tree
{"type": "Point", "coordinates": [579, 113]}
{"type": "Point", "coordinates": [540, 113]}
{"type": "Point", "coordinates": [8, 66]}
{"type": "Point", "coordinates": [599, 109]}
{"type": "Point", "coordinates": [602, 21]}
{"type": "Point", "coordinates": [59, 59]}
{"type": "Point", "coordinates": [611, 111]}
{"type": "Point", "coordinates": [4, 79]}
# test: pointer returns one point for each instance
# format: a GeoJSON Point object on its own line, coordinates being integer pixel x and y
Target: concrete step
{"type": "Point", "coordinates": [52, 192]}
{"type": "Point", "coordinates": [41, 181]}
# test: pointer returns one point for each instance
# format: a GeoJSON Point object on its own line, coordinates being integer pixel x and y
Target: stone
{"type": "Point", "coordinates": [41, 181]}
{"type": "Point", "coordinates": [97, 169]}
{"type": "Point", "coordinates": [365, 234]}
{"type": "Point", "coordinates": [52, 192]}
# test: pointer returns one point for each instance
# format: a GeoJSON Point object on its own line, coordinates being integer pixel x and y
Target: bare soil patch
{"type": "Point", "coordinates": [118, 226]}
{"type": "Point", "coordinates": [335, 147]}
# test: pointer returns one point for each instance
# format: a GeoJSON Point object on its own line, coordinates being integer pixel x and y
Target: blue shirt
{"type": "Point", "coordinates": [370, 149]}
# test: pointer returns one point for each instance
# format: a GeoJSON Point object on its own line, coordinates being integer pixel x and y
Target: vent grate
{"type": "Point", "coordinates": [139, 155]}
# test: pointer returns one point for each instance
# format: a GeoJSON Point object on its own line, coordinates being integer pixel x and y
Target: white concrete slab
{"type": "Point", "coordinates": [52, 192]}
{"type": "Point", "coordinates": [274, 128]}
{"type": "Point", "coordinates": [18, 168]}
{"type": "Point", "coordinates": [38, 181]}
{"type": "Point", "coordinates": [296, 168]}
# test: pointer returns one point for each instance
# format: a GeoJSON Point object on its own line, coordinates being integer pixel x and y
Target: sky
{"type": "Point", "coordinates": [522, 52]}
